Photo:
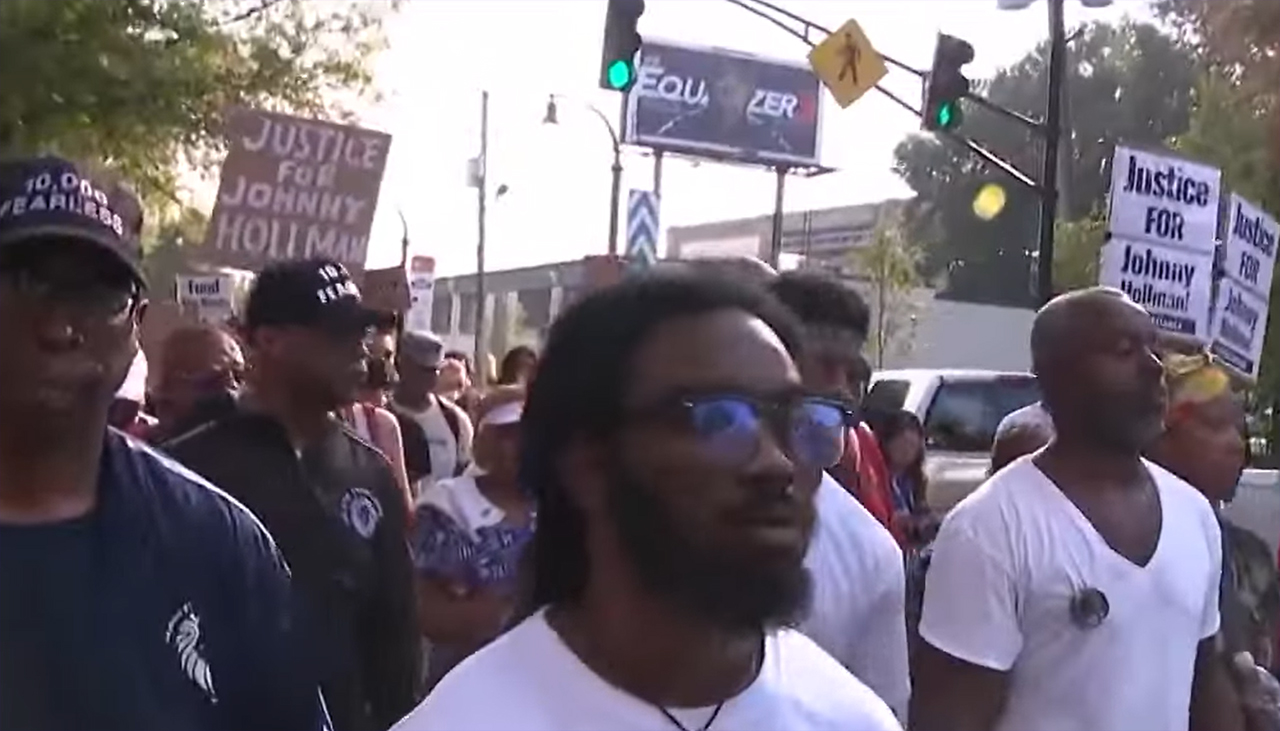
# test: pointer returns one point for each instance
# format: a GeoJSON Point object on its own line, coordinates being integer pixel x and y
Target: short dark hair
{"type": "Point", "coordinates": [582, 379]}
{"type": "Point", "coordinates": [821, 299]}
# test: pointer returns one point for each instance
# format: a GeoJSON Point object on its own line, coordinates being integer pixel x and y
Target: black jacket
{"type": "Point", "coordinates": [188, 622]}
{"type": "Point", "coordinates": [339, 518]}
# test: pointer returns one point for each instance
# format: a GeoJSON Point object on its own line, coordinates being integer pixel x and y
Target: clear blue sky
{"type": "Point", "coordinates": [443, 52]}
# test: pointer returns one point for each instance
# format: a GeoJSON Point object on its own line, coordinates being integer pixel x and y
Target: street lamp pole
{"type": "Point", "coordinates": [615, 191]}
{"type": "Point", "coordinates": [482, 192]}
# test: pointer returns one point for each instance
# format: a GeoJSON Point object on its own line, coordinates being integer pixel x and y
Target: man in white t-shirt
{"type": "Point", "coordinates": [446, 427]}
{"type": "Point", "coordinates": [674, 455]}
{"type": "Point", "coordinates": [1078, 588]}
{"type": "Point", "coordinates": [859, 583]}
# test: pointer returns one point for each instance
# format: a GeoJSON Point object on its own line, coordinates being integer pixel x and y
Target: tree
{"type": "Point", "coordinates": [1128, 82]}
{"type": "Point", "coordinates": [143, 85]}
{"type": "Point", "coordinates": [891, 264]}
{"type": "Point", "coordinates": [1231, 128]}
{"type": "Point", "coordinates": [1077, 245]}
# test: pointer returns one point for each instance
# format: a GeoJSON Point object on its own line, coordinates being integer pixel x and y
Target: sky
{"type": "Point", "coordinates": [443, 52]}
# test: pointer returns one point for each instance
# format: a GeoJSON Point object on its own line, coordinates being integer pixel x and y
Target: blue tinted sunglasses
{"type": "Point", "coordinates": [811, 429]}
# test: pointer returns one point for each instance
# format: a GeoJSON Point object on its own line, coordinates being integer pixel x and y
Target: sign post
{"type": "Point", "coordinates": [642, 229]}
{"type": "Point", "coordinates": [1239, 326]}
{"type": "Point", "coordinates": [1162, 226]}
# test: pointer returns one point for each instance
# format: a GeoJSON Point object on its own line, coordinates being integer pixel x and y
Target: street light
{"type": "Point", "coordinates": [552, 116]}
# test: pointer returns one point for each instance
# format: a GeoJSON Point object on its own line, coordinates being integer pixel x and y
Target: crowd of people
{"type": "Point", "coordinates": [674, 516]}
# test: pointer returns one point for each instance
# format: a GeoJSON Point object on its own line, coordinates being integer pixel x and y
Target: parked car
{"type": "Point", "coordinates": [960, 410]}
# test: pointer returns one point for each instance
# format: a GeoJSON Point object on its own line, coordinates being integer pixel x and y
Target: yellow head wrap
{"type": "Point", "coordinates": [1194, 379]}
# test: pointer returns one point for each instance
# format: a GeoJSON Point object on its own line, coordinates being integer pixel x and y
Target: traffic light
{"type": "Point", "coordinates": [945, 85]}
{"type": "Point", "coordinates": [621, 44]}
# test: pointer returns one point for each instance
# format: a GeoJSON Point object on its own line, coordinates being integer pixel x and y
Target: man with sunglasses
{"type": "Point", "coordinates": [132, 594]}
{"type": "Point", "coordinates": [329, 497]}
{"type": "Point", "coordinates": [674, 453]}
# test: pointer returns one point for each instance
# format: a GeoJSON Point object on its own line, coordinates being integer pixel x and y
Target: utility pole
{"type": "Point", "coordinates": [1052, 149]}
{"type": "Point", "coordinates": [480, 180]}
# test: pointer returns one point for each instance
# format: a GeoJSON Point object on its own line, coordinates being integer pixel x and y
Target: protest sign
{"type": "Point", "coordinates": [294, 188]}
{"type": "Point", "coordinates": [386, 290]}
{"type": "Point", "coordinates": [1250, 246]}
{"type": "Point", "coordinates": [422, 286]}
{"type": "Point", "coordinates": [1173, 285]}
{"type": "Point", "coordinates": [1239, 327]}
{"type": "Point", "coordinates": [1161, 198]}
{"type": "Point", "coordinates": [209, 297]}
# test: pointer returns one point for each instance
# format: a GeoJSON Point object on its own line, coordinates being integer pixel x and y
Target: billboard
{"type": "Point", "coordinates": [724, 105]}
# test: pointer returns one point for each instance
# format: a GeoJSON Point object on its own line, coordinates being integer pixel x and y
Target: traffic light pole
{"type": "Point", "coordinates": [1052, 148]}
{"type": "Point", "coordinates": [1050, 129]}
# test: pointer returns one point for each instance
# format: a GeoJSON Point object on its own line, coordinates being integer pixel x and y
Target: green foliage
{"type": "Point", "coordinates": [891, 264]}
{"type": "Point", "coordinates": [1232, 130]}
{"type": "Point", "coordinates": [1077, 245]}
{"type": "Point", "coordinates": [143, 85]}
{"type": "Point", "coordinates": [1127, 82]}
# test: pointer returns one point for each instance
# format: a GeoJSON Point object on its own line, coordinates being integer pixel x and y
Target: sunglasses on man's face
{"type": "Point", "coordinates": [810, 429]}
{"type": "Point", "coordinates": [86, 296]}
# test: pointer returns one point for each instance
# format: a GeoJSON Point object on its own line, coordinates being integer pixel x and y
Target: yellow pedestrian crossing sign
{"type": "Point", "coordinates": [847, 64]}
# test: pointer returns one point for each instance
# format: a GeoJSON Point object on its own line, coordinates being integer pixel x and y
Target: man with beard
{"type": "Point", "coordinates": [1078, 588]}
{"type": "Point", "coordinates": [674, 454]}
{"type": "Point", "coordinates": [132, 594]}
{"type": "Point", "coordinates": [859, 601]}
{"type": "Point", "coordinates": [328, 497]}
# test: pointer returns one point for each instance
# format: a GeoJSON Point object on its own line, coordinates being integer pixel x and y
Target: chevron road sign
{"type": "Point", "coordinates": [642, 229]}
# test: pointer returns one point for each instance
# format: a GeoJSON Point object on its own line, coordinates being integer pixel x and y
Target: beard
{"type": "Point", "coordinates": [731, 593]}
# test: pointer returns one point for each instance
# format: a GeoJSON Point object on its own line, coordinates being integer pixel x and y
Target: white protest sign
{"type": "Point", "coordinates": [210, 296]}
{"type": "Point", "coordinates": [1250, 246]}
{"type": "Point", "coordinates": [1172, 284]}
{"type": "Point", "coordinates": [1239, 327]}
{"type": "Point", "coordinates": [1160, 198]}
{"type": "Point", "coordinates": [422, 284]}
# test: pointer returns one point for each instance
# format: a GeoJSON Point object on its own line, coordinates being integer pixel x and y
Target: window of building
{"type": "Point", "coordinates": [442, 313]}
{"type": "Point", "coordinates": [467, 313]}
{"type": "Point", "coordinates": [535, 304]}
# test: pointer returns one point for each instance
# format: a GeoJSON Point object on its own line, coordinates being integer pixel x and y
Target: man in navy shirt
{"type": "Point", "coordinates": [133, 595]}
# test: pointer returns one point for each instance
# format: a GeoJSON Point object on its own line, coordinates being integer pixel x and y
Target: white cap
{"type": "Point", "coordinates": [503, 415]}
{"type": "Point", "coordinates": [134, 387]}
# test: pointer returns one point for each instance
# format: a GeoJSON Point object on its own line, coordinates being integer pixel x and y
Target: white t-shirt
{"type": "Point", "coordinates": [529, 680]}
{"type": "Point", "coordinates": [859, 594]}
{"type": "Point", "coordinates": [1006, 565]}
{"type": "Point", "coordinates": [447, 451]}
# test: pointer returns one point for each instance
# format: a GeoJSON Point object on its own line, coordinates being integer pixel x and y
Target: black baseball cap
{"type": "Point", "coordinates": [53, 198]}
{"type": "Point", "coordinates": [315, 293]}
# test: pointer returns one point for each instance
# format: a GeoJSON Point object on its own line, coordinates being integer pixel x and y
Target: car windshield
{"type": "Point", "coordinates": [965, 413]}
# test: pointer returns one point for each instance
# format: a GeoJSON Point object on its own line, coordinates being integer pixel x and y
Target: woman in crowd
{"type": "Point", "coordinates": [901, 437]}
{"type": "Point", "coordinates": [1204, 443]}
{"type": "Point", "coordinates": [369, 416]}
{"type": "Point", "coordinates": [469, 534]}
{"type": "Point", "coordinates": [518, 366]}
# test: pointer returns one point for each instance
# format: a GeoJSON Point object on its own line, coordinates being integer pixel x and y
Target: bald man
{"type": "Point", "coordinates": [1077, 588]}
{"type": "Point", "coordinates": [200, 368]}
{"type": "Point", "coordinates": [1022, 432]}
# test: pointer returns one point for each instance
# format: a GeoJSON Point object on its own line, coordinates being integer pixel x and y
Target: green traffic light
{"type": "Point", "coordinates": [946, 115]}
{"type": "Point", "coordinates": [620, 74]}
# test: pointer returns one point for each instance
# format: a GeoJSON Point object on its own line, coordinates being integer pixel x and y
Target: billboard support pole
{"type": "Point", "coordinates": [657, 173]}
{"type": "Point", "coordinates": [775, 239]}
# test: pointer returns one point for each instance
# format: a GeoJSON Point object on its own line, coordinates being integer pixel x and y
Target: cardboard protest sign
{"type": "Point", "coordinates": [294, 188]}
{"type": "Point", "coordinates": [386, 290]}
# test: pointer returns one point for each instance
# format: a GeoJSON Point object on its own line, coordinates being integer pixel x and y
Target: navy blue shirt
{"type": "Point", "coordinates": [167, 608]}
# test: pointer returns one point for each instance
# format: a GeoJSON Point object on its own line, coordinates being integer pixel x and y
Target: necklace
{"type": "Point", "coordinates": [671, 717]}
